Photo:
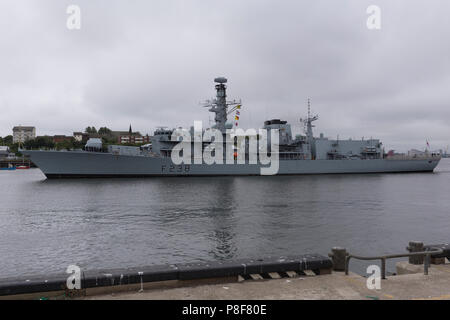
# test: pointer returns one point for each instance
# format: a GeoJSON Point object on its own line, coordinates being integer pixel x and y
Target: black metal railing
{"type": "Point", "coordinates": [428, 253]}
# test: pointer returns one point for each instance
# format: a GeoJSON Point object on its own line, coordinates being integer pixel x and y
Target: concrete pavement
{"type": "Point", "coordinates": [436, 286]}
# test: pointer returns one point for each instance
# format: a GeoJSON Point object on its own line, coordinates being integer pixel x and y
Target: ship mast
{"type": "Point", "coordinates": [309, 131]}
{"type": "Point", "coordinates": [220, 105]}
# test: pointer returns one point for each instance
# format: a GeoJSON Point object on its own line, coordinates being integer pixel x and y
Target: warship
{"type": "Point", "coordinates": [295, 155]}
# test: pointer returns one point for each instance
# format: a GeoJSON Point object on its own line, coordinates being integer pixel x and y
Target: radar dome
{"type": "Point", "coordinates": [220, 80]}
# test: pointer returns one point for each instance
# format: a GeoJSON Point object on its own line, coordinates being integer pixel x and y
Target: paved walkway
{"type": "Point", "coordinates": [334, 286]}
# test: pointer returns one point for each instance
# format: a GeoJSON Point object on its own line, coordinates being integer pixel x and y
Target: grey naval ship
{"type": "Point", "coordinates": [297, 155]}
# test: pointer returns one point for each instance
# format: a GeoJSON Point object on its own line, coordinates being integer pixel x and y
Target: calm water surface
{"type": "Point", "coordinates": [45, 225]}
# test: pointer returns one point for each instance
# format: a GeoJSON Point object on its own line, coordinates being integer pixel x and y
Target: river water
{"type": "Point", "coordinates": [45, 225]}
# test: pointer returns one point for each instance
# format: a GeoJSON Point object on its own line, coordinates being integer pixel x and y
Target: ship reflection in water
{"type": "Point", "coordinates": [45, 225]}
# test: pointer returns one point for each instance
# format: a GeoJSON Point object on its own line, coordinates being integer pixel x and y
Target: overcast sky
{"type": "Point", "coordinates": [150, 63]}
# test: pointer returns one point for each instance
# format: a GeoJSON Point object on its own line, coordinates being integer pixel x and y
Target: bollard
{"type": "Point", "coordinates": [415, 246]}
{"type": "Point", "coordinates": [338, 256]}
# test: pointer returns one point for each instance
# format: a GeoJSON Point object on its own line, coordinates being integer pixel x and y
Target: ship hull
{"type": "Point", "coordinates": [77, 164]}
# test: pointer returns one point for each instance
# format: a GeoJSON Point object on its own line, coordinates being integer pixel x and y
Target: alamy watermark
{"type": "Point", "coordinates": [374, 280]}
{"type": "Point", "coordinates": [74, 19]}
{"type": "Point", "coordinates": [74, 279]}
{"type": "Point", "coordinates": [241, 147]}
{"type": "Point", "coordinates": [374, 19]}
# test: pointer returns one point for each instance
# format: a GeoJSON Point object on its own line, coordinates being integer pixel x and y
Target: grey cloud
{"type": "Point", "coordinates": [150, 63]}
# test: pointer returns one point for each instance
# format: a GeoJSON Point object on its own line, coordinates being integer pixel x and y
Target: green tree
{"type": "Point", "coordinates": [66, 144]}
{"type": "Point", "coordinates": [104, 131]}
{"type": "Point", "coordinates": [90, 130]}
{"type": "Point", "coordinates": [77, 144]}
{"type": "Point", "coordinates": [14, 148]}
{"type": "Point", "coordinates": [109, 139]}
{"type": "Point", "coordinates": [39, 143]}
{"type": "Point", "coordinates": [8, 140]}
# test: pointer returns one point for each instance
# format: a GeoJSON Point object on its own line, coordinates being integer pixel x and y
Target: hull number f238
{"type": "Point", "coordinates": [175, 168]}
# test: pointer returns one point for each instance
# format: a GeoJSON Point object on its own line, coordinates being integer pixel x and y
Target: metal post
{"type": "Point", "coordinates": [338, 256]}
{"type": "Point", "coordinates": [426, 264]}
{"type": "Point", "coordinates": [415, 246]}
{"type": "Point", "coordinates": [347, 262]}
{"type": "Point", "coordinates": [383, 268]}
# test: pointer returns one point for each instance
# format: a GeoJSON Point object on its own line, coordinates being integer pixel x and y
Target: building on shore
{"type": "Point", "coordinates": [130, 137]}
{"type": "Point", "coordinates": [23, 133]}
{"type": "Point", "coordinates": [4, 152]}
{"type": "Point", "coordinates": [135, 138]}
{"type": "Point", "coordinates": [122, 137]}
{"type": "Point", "coordinates": [81, 136]}
{"type": "Point", "coordinates": [62, 138]}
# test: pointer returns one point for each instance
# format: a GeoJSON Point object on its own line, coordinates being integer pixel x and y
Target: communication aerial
{"type": "Point", "coordinates": [309, 131]}
{"type": "Point", "coordinates": [307, 122]}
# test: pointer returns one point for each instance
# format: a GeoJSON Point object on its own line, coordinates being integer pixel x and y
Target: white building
{"type": "Point", "coordinates": [80, 136]}
{"type": "Point", "coordinates": [22, 134]}
{"type": "Point", "coordinates": [4, 151]}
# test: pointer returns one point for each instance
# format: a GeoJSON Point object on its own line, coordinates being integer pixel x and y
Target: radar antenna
{"type": "Point", "coordinates": [220, 105]}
